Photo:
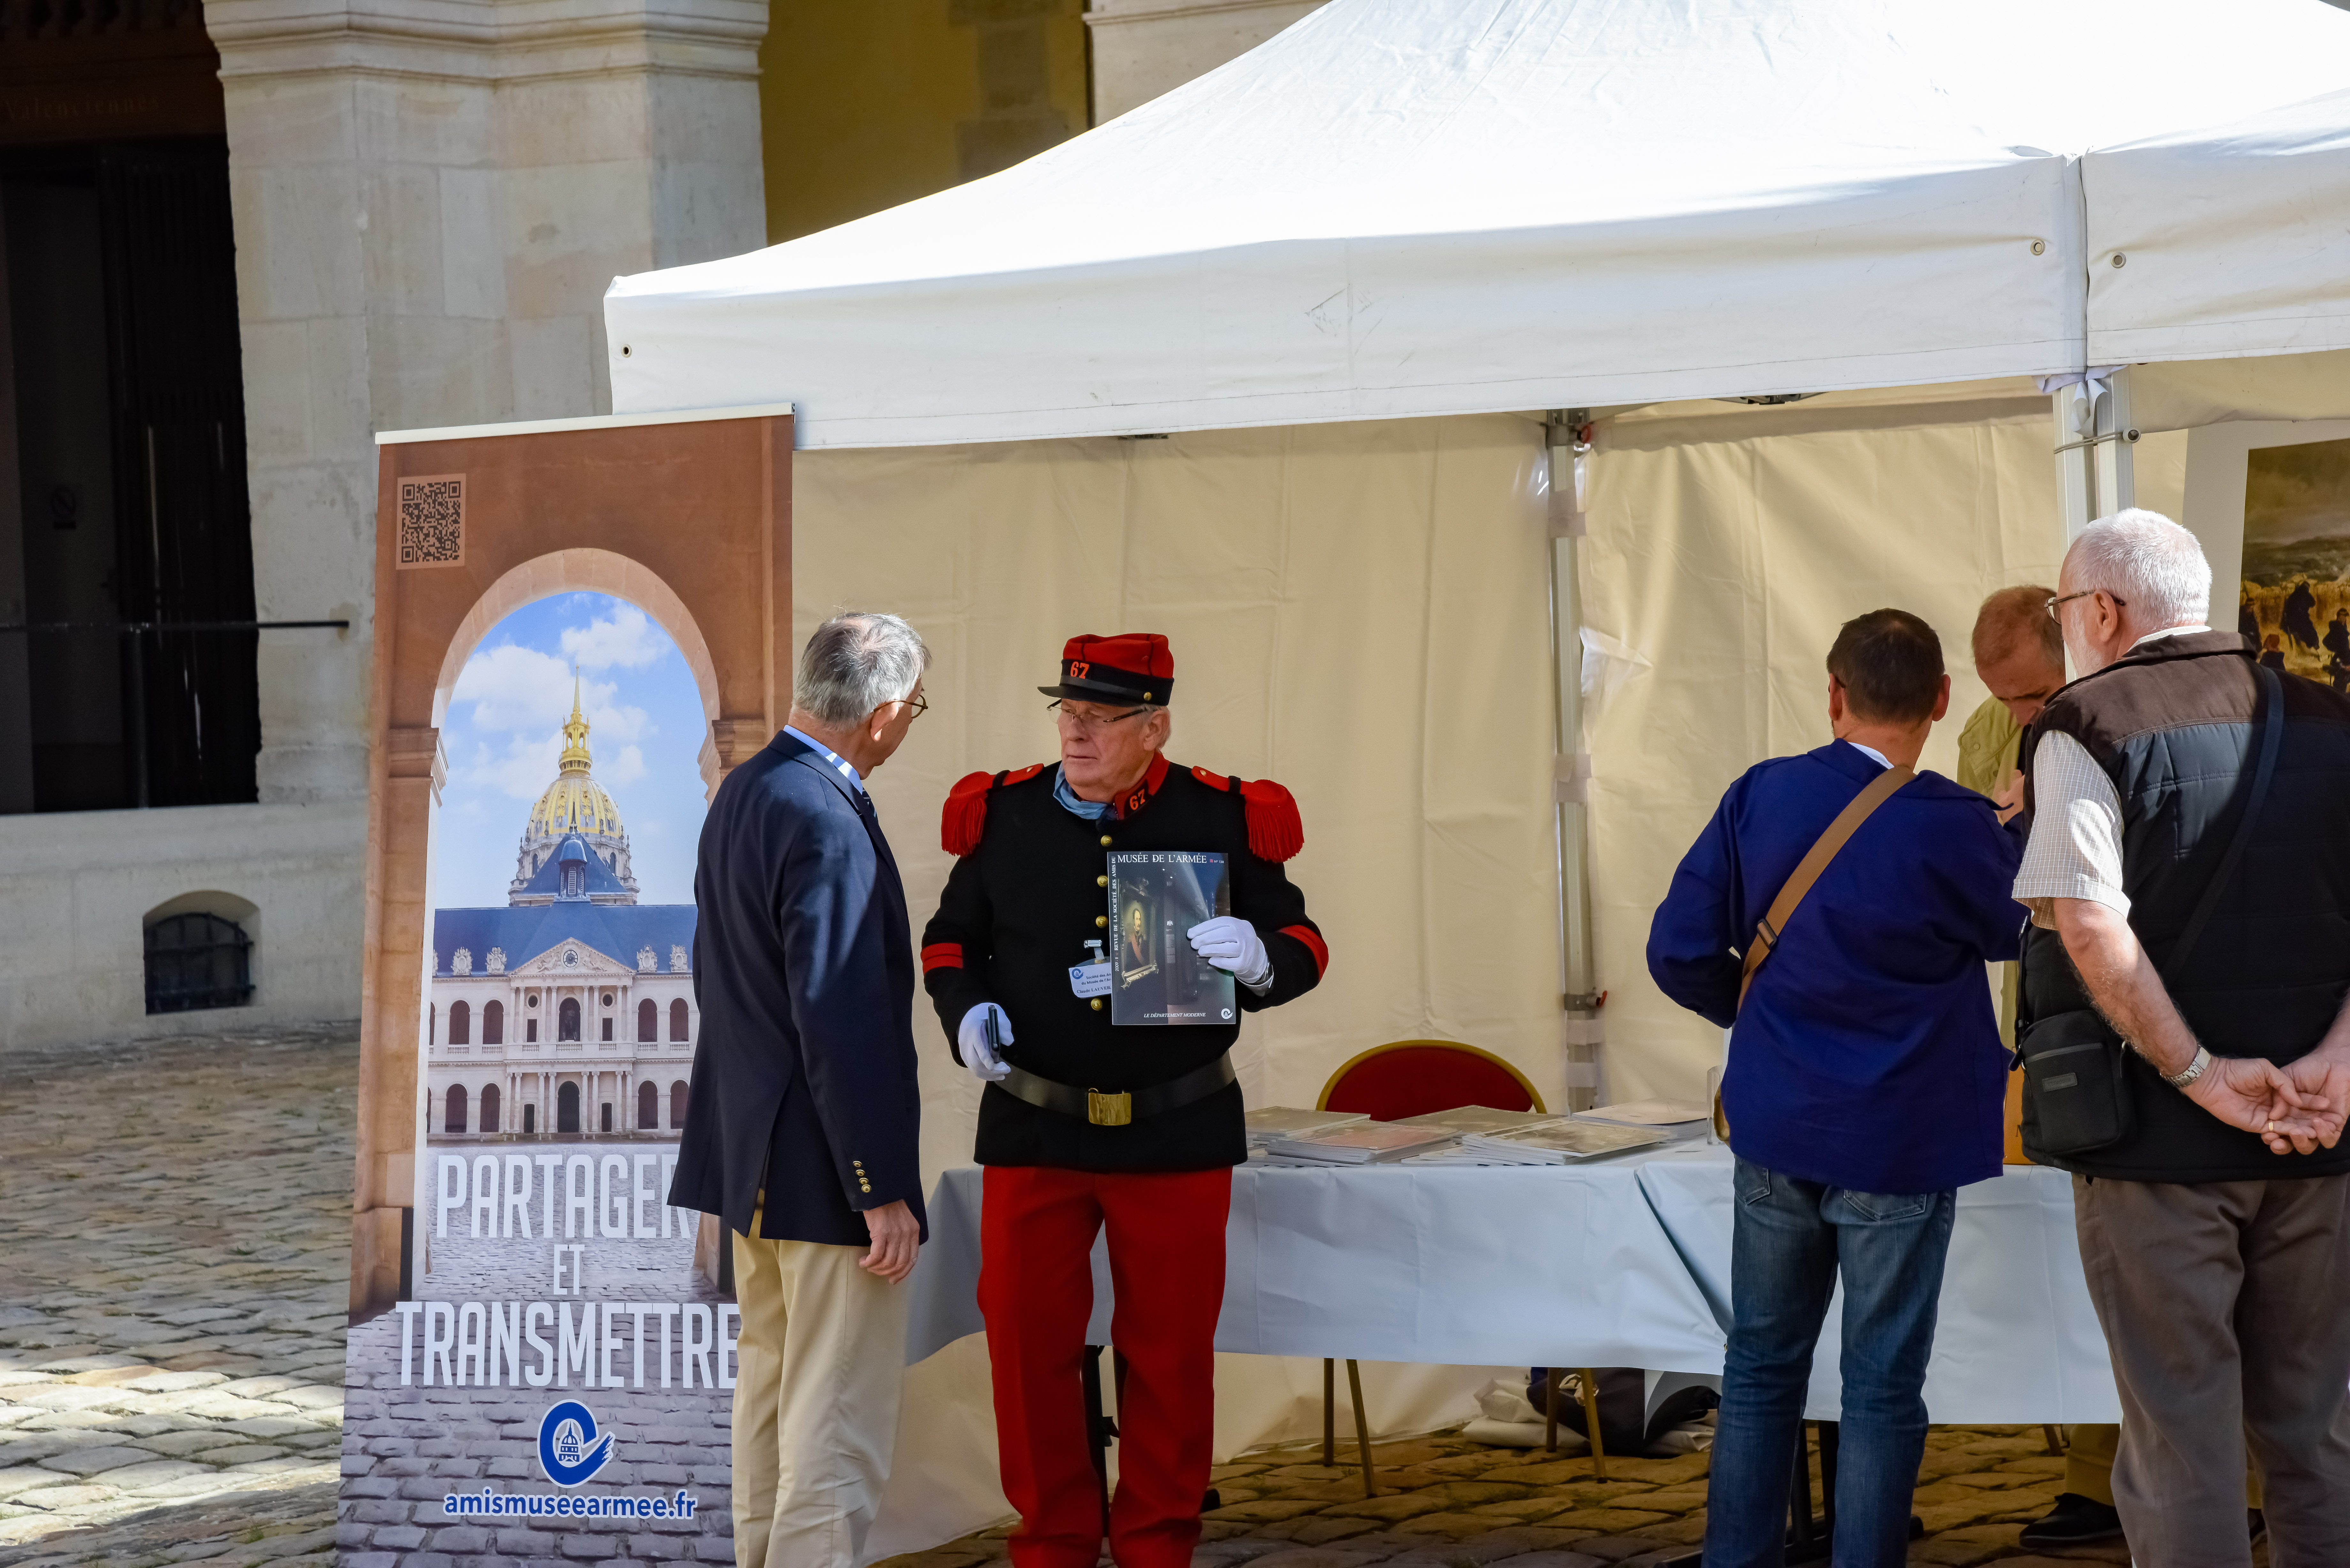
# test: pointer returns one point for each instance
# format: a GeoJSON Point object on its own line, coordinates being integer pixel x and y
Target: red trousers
{"type": "Point", "coordinates": [1035, 1289]}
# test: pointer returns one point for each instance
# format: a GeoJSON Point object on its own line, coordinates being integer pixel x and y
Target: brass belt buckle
{"type": "Point", "coordinates": [1108, 1110]}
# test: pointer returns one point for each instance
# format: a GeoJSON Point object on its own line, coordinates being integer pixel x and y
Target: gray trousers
{"type": "Point", "coordinates": [2227, 1309]}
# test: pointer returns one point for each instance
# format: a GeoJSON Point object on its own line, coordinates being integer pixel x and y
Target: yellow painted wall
{"type": "Point", "coordinates": [868, 103]}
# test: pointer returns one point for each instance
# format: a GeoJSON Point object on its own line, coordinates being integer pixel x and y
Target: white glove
{"type": "Point", "coordinates": [971, 1039]}
{"type": "Point", "coordinates": [1230, 942]}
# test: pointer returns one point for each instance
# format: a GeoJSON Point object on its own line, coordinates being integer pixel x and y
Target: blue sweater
{"type": "Point", "coordinates": [1868, 1055]}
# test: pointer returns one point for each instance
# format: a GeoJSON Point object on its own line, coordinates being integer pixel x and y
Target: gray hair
{"type": "Point", "coordinates": [2149, 561]}
{"type": "Point", "coordinates": [857, 661]}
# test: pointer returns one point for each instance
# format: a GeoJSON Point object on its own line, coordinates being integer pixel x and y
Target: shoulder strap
{"type": "Point", "coordinates": [1815, 860]}
{"type": "Point", "coordinates": [2271, 740]}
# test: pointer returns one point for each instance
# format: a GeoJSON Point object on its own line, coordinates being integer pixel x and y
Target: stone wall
{"type": "Point", "coordinates": [430, 197]}
{"type": "Point", "coordinates": [82, 883]}
{"type": "Point", "coordinates": [430, 201]}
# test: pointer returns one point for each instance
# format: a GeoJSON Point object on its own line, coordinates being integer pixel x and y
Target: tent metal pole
{"type": "Point", "coordinates": [2094, 437]}
{"type": "Point", "coordinates": [1567, 442]}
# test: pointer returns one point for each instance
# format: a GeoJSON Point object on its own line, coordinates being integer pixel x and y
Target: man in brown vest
{"type": "Point", "coordinates": [2188, 879]}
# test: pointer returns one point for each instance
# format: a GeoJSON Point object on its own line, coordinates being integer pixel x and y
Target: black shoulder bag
{"type": "Point", "coordinates": [2075, 1092]}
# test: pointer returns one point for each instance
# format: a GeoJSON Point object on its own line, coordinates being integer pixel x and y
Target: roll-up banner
{"type": "Point", "coordinates": [542, 1352]}
{"type": "Point", "coordinates": [559, 1370]}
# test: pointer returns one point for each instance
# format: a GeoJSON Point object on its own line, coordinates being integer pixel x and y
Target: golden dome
{"type": "Point", "coordinates": [575, 801]}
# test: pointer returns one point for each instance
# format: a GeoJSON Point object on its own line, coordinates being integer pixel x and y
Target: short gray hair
{"type": "Point", "coordinates": [857, 661]}
{"type": "Point", "coordinates": [2149, 561]}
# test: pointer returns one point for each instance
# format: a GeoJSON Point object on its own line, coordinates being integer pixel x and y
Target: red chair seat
{"type": "Point", "coordinates": [1412, 1077]}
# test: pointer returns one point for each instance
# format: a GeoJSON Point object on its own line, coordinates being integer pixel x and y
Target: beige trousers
{"type": "Point", "coordinates": [819, 1364]}
{"type": "Point", "coordinates": [2222, 1306]}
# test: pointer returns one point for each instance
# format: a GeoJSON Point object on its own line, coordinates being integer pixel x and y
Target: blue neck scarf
{"type": "Point", "coordinates": [1091, 810]}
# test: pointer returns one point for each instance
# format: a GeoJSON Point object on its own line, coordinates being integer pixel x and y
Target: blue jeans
{"type": "Point", "coordinates": [1789, 1240]}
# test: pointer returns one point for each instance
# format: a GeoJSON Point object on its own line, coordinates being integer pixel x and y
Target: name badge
{"type": "Point", "coordinates": [1090, 978]}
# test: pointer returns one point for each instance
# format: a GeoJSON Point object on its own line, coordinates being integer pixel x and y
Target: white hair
{"type": "Point", "coordinates": [2149, 563]}
{"type": "Point", "coordinates": [857, 661]}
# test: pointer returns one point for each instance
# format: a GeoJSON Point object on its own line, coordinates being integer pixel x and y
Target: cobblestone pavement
{"type": "Point", "coordinates": [175, 1236]}
{"type": "Point", "coordinates": [1447, 1503]}
{"type": "Point", "coordinates": [174, 1254]}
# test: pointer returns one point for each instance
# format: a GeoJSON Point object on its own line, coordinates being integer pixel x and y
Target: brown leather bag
{"type": "Point", "coordinates": [1815, 859]}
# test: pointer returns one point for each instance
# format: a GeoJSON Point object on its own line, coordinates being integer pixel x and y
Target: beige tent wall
{"type": "Point", "coordinates": [1715, 573]}
{"type": "Point", "coordinates": [1360, 611]}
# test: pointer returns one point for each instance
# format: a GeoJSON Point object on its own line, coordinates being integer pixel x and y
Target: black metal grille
{"type": "Point", "coordinates": [197, 961]}
{"type": "Point", "coordinates": [23, 19]}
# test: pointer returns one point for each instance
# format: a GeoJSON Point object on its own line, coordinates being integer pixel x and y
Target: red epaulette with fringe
{"type": "Point", "coordinates": [1276, 830]}
{"type": "Point", "coordinates": [965, 816]}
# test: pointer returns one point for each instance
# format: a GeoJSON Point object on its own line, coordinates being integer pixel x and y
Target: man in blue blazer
{"type": "Point", "coordinates": [804, 1130]}
{"type": "Point", "coordinates": [1866, 1081]}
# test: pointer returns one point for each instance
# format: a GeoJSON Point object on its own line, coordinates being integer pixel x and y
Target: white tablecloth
{"type": "Point", "coordinates": [1622, 1263]}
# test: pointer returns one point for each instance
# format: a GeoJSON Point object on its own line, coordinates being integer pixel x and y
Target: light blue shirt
{"type": "Point", "coordinates": [828, 754]}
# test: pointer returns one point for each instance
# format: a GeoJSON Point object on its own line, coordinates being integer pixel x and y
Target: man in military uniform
{"type": "Point", "coordinates": [1085, 1124]}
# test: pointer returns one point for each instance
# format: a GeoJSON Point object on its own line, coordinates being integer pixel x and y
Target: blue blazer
{"type": "Point", "coordinates": [1867, 1056]}
{"type": "Point", "coordinates": [803, 1082]}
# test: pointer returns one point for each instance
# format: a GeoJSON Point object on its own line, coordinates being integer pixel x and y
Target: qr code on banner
{"type": "Point", "coordinates": [432, 521]}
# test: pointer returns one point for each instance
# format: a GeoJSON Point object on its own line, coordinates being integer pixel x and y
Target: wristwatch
{"type": "Point", "coordinates": [2192, 1071]}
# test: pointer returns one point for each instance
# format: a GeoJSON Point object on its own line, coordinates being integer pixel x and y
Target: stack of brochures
{"type": "Point", "coordinates": [1267, 1123]}
{"type": "Point", "coordinates": [1465, 1119]}
{"type": "Point", "coordinates": [1676, 1119]}
{"type": "Point", "coordinates": [1359, 1144]}
{"type": "Point", "coordinates": [1560, 1143]}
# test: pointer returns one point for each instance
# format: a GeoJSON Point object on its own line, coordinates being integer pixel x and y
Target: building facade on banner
{"type": "Point", "coordinates": [569, 1011]}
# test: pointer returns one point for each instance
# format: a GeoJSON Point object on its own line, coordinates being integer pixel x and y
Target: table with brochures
{"type": "Point", "coordinates": [1623, 1261]}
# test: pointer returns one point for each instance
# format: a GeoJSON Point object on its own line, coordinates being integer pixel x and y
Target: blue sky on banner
{"type": "Point", "coordinates": [505, 731]}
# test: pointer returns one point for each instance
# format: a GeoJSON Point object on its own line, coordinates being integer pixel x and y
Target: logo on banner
{"type": "Point", "coordinates": [570, 1450]}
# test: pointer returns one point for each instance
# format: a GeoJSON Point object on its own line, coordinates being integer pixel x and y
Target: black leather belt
{"type": "Point", "coordinates": [1115, 1110]}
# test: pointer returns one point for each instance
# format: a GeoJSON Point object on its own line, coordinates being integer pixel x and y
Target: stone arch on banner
{"type": "Point", "coordinates": [592, 571]}
{"type": "Point", "coordinates": [689, 519]}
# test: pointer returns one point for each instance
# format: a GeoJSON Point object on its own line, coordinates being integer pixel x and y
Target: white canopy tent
{"type": "Point", "coordinates": [1390, 241]}
{"type": "Point", "coordinates": [1400, 207]}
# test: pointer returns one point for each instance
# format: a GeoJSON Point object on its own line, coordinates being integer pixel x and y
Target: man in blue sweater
{"type": "Point", "coordinates": [1865, 1086]}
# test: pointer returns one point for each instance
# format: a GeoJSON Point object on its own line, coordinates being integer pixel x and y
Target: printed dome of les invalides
{"type": "Point", "coordinates": [573, 803]}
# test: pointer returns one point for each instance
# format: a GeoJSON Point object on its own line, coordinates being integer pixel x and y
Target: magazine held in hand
{"type": "Point", "coordinates": [1156, 896]}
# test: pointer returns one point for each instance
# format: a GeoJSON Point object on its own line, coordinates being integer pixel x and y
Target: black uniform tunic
{"type": "Point", "coordinates": [1018, 909]}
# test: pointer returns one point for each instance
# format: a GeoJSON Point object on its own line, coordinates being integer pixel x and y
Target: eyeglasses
{"type": "Point", "coordinates": [918, 702]}
{"type": "Point", "coordinates": [1085, 725]}
{"type": "Point", "coordinates": [2063, 599]}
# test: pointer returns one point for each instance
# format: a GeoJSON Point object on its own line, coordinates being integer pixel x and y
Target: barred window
{"type": "Point", "coordinates": [197, 961]}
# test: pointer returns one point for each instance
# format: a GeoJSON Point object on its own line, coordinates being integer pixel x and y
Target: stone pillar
{"type": "Point", "coordinates": [1142, 48]}
{"type": "Point", "coordinates": [430, 198]}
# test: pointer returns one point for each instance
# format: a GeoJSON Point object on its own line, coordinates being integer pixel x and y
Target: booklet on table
{"type": "Point", "coordinates": [1360, 1144]}
{"type": "Point", "coordinates": [1676, 1119]}
{"type": "Point", "coordinates": [1465, 1119]}
{"type": "Point", "coordinates": [1564, 1143]}
{"type": "Point", "coordinates": [1267, 1123]}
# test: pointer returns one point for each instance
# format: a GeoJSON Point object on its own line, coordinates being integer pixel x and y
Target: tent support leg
{"type": "Point", "coordinates": [1567, 432]}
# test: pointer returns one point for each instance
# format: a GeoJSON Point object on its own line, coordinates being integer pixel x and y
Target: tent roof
{"type": "Point", "coordinates": [1404, 207]}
